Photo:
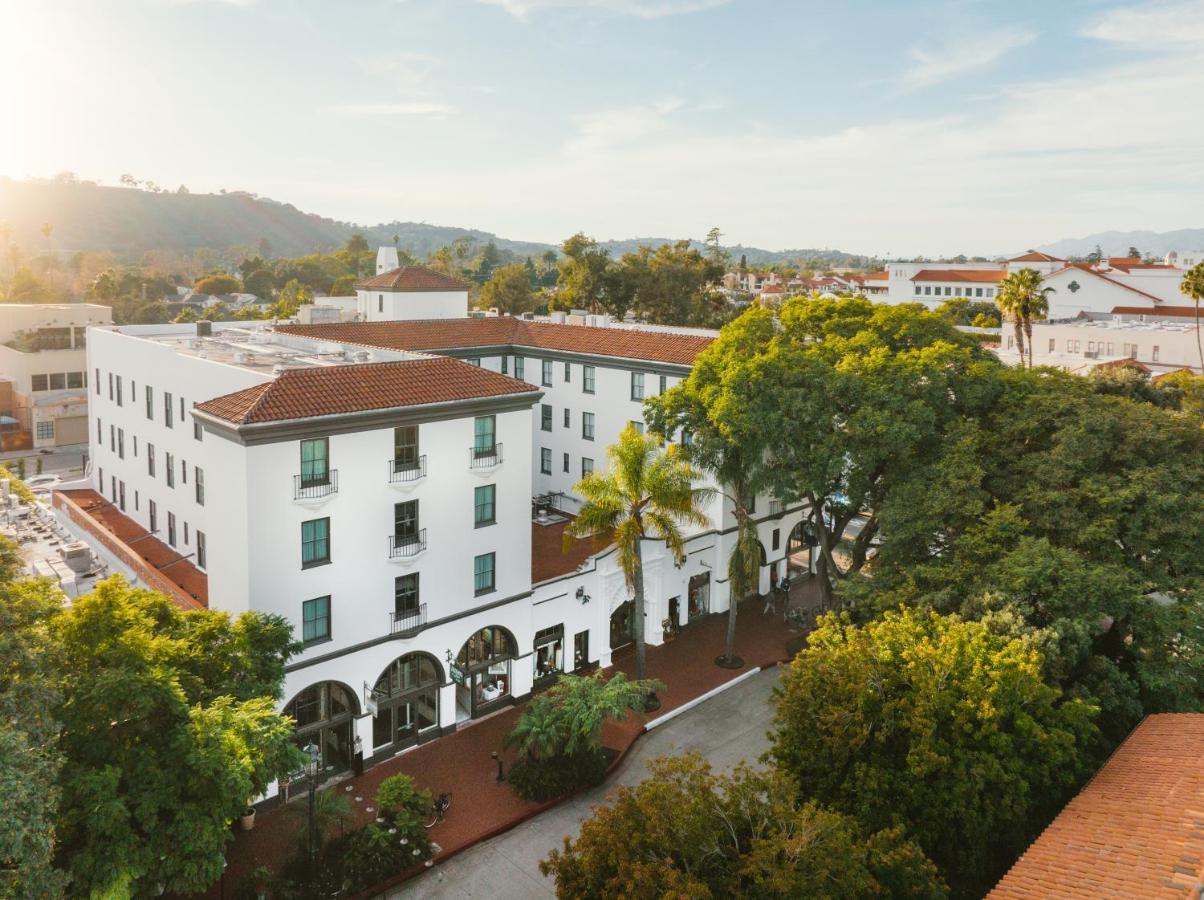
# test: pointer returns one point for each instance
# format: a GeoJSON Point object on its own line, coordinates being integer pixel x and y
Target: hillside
{"type": "Point", "coordinates": [129, 222]}
{"type": "Point", "coordinates": [1117, 243]}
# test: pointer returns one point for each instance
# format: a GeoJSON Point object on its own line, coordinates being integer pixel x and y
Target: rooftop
{"type": "Point", "coordinates": [972, 275]}
{"type": "Point", "coordinates": [412, 278]}
{"type": "Point", "coordinates": [1134, 831]}
{"type": "Point", "coordinates": [305, 393]}
{"type": "Point", "coordinates": [548, 559]}
{"type": "Point", "coordinates": [435, 335]}
{"type": "Point", "coordinates": [1036, 256]}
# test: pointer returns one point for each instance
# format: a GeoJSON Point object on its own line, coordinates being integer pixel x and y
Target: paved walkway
{"type": "Point", "coordinates": [727, 729]}
{"type": "Point", "coordinates": [461, 762]}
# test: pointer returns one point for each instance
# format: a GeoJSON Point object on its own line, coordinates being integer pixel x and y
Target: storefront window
{"type": "Point", "coordinates": [323, 713]}
{"type": "Point", "coordinates": [407, 701]}
{"type": "Point", "coordinates": [549, 652]}
{"type": "Point", "coordinates": [482, 670]}
{"type": "Point", "coordinates": [699, 596]}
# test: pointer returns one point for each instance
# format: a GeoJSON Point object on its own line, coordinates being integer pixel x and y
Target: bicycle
{"type": "Point", "coordinates": [439, 809]}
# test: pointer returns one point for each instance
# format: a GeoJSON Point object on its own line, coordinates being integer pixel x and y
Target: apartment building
{"type": "Point", "coordinates": [1160, 344]}
{"type": "Point", "coordinates": [398, 491]}
{"type": "Point", "coordinates": [43, 358]}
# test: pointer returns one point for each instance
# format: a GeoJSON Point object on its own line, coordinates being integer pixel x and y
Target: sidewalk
{"type": "Point", "coordinates": [460, 763]}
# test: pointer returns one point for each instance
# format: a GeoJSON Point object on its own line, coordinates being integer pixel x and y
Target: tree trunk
{"type": "Point", "coordinates": [1028, 337]}
{"type": "Point", "coordinates": [1199, 346]}
{"type": "Point", "coordinates": [641, 662]}
{"type": "Point", "coordinates": [737, 590]}
{"type": "Point", "coordinates": [1019, 328]}
{"type": "Point", "coordinates": [825, 553]}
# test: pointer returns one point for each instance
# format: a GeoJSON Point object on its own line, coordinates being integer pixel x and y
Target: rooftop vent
{"type": "Point", "coordinates": [204, 328]}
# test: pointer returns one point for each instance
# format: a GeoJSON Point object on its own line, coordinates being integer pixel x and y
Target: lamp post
{"type": "Point", "coordinates": [498, 759]}
{"type": "Point", "coordinates": [311, 769]}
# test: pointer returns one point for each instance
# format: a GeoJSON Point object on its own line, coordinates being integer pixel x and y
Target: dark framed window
{"type": "Point", "coordinates": [315, 462]}
{"type": "Point", "coordinates": [638, 426]}
{"type": "Point", "coordinates": [150, 460]}
{"type": "Point", "coordinates": [168, 412]}
{"type": "Point", "coordinates": [75, 379]}
{"type": "Point", "coordinates": [519, 367]}
{"type": "Point", "coordinates": [568, 371]}
{"type": "Point", "coordinates": [199, 474]}
{"type": "Point", "coordinates": [111, 386]}
{"type": "Point", "coordinates": [39, 382]}
{"type": "Point", "coordinates": [169, 469]}
{"type": "Point", "coordinates": [546, 372]}
{"type": "Point", "coordinates": [587, 379]}
{"type": "Point", "coordinates": [587, 426]}
{"type": "Point", "coordinates": [315, 542]}
{"type": "Point", "coordinates": [98, 382]}
{"type": "Point", "coordinates": [202, 558]}
{"type": "Point", "coordinates": [545, 417]}
{"type": "Point", "coordinates": [566, 462]}
{"type": "Point", "coordinates": [545, 460]}
{"type": "Point", "coordinates": [58, 382]}
{"type": "Point", "coordinates": [100, 435]}
{"type": "Point", "coordinates": [637, 385]}
{"type": "Point", "coordinates": [171, 529]}
{"type": "Point", "coordinates": [777, 538]}
{"type": "Point", "coordinates": [45, 429]}
{"type": "Point", "coordinates": [152, 511]}
{"type": "Point", "coordinates": [484, 506]}
{"type": "Point", "coordinates": [484, 574]}
{"type": "Point", "coordinates": [119, 393]}
{"type": "Point", "coordinates": [568, 418]}
{"type": "Point", "coordinates": [405, 447]}
{"type": "Point", "coordinates": [505, 364]}
{"type": "Point", "coordinates": [405, 520]}
{"type": "Point", "coordinates": [474, 361]}
{"type": "Point", "coordinates": [484, 439]}
{"type": "Point", "coordinates": [315, 620]}
{"type": "Point", "coordinates": [405, 594]}
{"type": "Point", "coordinates": [150, 398]}
{"type": "Point", "coordinates": [587, 466]}
{"type": "Point", "coordinates": [664, 383]}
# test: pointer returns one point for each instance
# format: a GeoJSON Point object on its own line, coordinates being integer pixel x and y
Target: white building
{"type": "Point", "coordinates": [1163, 344]}
{"type": "Point", "coordinates": [398, 491]}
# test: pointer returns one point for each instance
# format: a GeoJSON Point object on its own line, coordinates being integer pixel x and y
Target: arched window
{"type": "Point", "coordinates": [482, 671]}
{"type": "Point", "coordinates": [324, 713]}
{"type": "Point", "coordinates": [407, 701]}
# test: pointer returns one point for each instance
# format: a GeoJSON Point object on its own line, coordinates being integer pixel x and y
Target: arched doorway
{"type": "Point", "coordinates": [482, 671]}
{"type": "Point", "coordinates": [407, 702]}
{"type": "Point", "coordinates": [799, 549]}
{"type": "Point", "coordinates": [622, 625]}
{"type": "Point", "coordinates": [324, 713]}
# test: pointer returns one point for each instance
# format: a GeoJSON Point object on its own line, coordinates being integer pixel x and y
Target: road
{"type": "Point", "coordinates": [64, 461]}
{"type": "Point", "coordinates": [727, 729]}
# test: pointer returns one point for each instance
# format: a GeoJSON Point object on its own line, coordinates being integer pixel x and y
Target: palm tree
{"type": "Point", "coordinates": [644, 493]}
{"type": "Point", "coordinates": [1022, 299]}
{"type": "Point", "coordinates": [1193, 286]}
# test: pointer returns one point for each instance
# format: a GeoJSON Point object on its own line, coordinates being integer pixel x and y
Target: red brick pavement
{"type": "Point", "coordinates": [460, 763]}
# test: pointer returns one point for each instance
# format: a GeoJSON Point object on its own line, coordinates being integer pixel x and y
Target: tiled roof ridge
{"type": "Point", "coordinates": [1086, 267]}
{"type": "Point", "coordinates": [391, 279]}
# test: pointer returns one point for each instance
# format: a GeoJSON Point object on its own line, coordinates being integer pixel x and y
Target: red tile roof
{"type": "Point", "coordinates": [433, 335]}
{"type": "Point", "coordinates": [1135, 831]}
{"type": "Point", "coordinates": [335, 390]}
{"type": "Point", "coordinates": [976, 275]}
{"type": "Point", "coordinates": [412, 278]}
{"type": "Point", "coordinates": [1175, 312]}
{"type": "Point", "coordinates": [1036, 256]}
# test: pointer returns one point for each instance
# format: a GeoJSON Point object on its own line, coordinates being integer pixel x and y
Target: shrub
{"type": "Point", "coordinates": [398, 797]}
{"type": "Point", "coordinates": [541, 780]}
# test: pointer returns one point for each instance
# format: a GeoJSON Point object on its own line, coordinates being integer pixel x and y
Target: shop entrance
{"type": "Point", "coordinates": [800, 547]}
{"type": "Point", "coordinates": [622, 625]}
{"type": "Point", "coordinates": [324, 713]}
{"type": "Point", "coordinates": [698, 596]}
{"type": "Point", "coordinates": [407, 702]}
{"type": "Point", "coordinates": [482, 672]}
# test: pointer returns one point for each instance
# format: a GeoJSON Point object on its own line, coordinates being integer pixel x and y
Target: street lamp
{"type": "Point", "coordinates": [497, 759]}
{"type": "Point", "coordinates": [311, 769]}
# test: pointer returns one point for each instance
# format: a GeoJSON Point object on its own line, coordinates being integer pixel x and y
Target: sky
{"type": "Point", "coordinates": [893, 128]}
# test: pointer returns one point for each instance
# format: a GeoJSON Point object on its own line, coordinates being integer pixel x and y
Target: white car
{"type": "Point", "coordinates": [43, 482]}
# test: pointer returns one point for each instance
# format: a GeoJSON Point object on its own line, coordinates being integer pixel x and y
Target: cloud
{"type": "Point", "coordinates": [1152, 24]}
{"type": "Point", "coordinates": [960, 55]}
{"type": "Point", "coordinates": [408, 108]}
{"type": "Point", "coordinates": [642, 9]}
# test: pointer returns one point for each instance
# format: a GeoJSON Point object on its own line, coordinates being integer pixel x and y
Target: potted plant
{"type": "Point", "coordinates": [247, 820]}
{"type": "Point", "coordinates": [668, 630]}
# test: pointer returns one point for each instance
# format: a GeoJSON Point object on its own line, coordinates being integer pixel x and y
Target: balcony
{"type": "Point", "coordinates": [484, 457]}
{"type": "Point", "coordinates": [406, 472]}
{"type": "Point", "coordinates": [316, 488]}
{"type": "Point", "coordinates": [405, 546]}
{"type": "Point", "coordinates": [407, 622]}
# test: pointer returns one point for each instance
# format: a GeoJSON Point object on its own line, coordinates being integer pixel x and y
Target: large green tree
{"type": "Point", "coordinates": [509, 290]}
{"type": "Point", "coordinates": [644, 493]}
{"type": "Point", "coordinates": [168, 728]}
{"type": "Point", "coordinates": [687, 832]}
{"type": "Point", "coordinates": [937, 724]}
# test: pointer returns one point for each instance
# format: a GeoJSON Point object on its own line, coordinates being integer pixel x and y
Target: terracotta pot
{"type": "Point", "coordinates": [248, 819]}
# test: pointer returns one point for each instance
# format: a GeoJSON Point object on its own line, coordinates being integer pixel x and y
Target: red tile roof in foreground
{"type": "Point", "coordinates": [1135, 831]}
{"type": "Point", "coordinates": [412, 278]}
{"type": "Point", "coordinates": [336, 390]}
{"type": "Point", "coordinates": [435, 335]}
{"type": "Point", "coordinates": [976, 275]}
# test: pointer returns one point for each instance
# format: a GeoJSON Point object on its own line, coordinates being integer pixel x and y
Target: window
{"type": "Point", "coordinates": [98, 382]}
{"type": "Point", "coordinates": [315, 542]}
{"type": "Point", "coordinates": [405, 594]}
{"type": "Point", "coordinates": [39, 383]}
{"type": "Point", "coordinates": [121, 443]}
{"type": "Point", "coordinates": [135, 501]}
{"type": "Point", "coordinates": [181, 409]}
{"type": "Point", "coordinates": [1052, 343]}
{"type": "Point", "coordinates": [153, 512]}
{"type": "Point", "coordinates": [405, 521]}
{"type": "Point", "coordinates": [196, 429]}
{"type": "Point", "coordinates": [45, 429]}
{"type": "Point", "coordinates": [505, 364]}
{"type": "Point", "coordinates": [150, 399]}
{"type": "Point", "coordinates": [405, 448]}
{"type": "Point", "coordinates": [587, 426]}
{"type": "Point", "coordinates": [58, 381]}
{"type": "Point", "coordinates": [546, 372]}
{"type": "Point", "coordinates": [315, 462]}
{"type": "Point", "coordinates": [200, 485]}
{"type": "Point", "coordinates": [566, 463]}
{"type": "Point", "coordinates": [1154, 356]}
{"type": "Point", "coordinates": [100, 434]}
{"type": "Point", "coordinates": [519, 368]}
{"type": "Point", "coordinates": [638, 426]}
{"type": "Point", "coordinates": [111, 394]}
{"type": "Point", "coordinates": [777, 538]}
{"type": "Point", "coordinates": [928, 289]}
{"type": "Point", "coordinates": [483, 573]}
{"type": "Point", "coordinates": [474, 361]}
{"type": "Point", "coordinates": [169, 469]}
{"type": "Point", "coordinates": [637, 385]}
{"type": "Point", "coordinates": [545, 417]}
{"type": "Point", "coordinates": [119, 390]}
{"type": "Point", "coordinates": [587, 466]}
{"type": "Point", "coordinates": [201, 559]}
{"type": "Point", "coordinates": [113, 437]}
{"type": "Point", "coordinates": [483, 441]}
{"type": "Point", "coordinates": [664, 383]}
{"type": "Point", "coordinates": [568, 371]}
{"type": "Point", "coordinates": [315, 620]}
{"type": "Point", "coordinates": [483, 498]}
{"type": "Point", "coordinates": [167, 410]}
{"type": "Point", "coordinates": [587, 379]}
{"type": "Point", "coordinates": [687, 439]}
{"type": "Point", "coordinates": [978, 292]}
{"type": "Point", "coordinates": [150, 460]}
{"type": "Point", "coordinates": [545, 461]}
{"type": "Point", "coordinates": [185, 524]}
{"type": "Point", "coordinates": [568, 418]}
{"type": "Point", "coordinates": [171, 529]}
{"type": "Point", "coordinates": [380, 303]}
{"type": "Point", "coordinates": [75, 379]}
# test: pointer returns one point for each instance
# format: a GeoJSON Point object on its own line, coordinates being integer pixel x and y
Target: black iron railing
{"type": "Point", "coordinates": [407, 471]}
{"type": "Point", "coordinates": [312, 488]}
{"type": "Point", "coordinates": [402, 545]}
{"type": "Point", "coordinates": [409, 620]}
{"type": "Point", "coordinates": [484, 457]}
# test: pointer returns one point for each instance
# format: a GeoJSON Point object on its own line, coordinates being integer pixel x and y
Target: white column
{"type": "Point", "coordinates": [522, 675]}
{"type": "Point", "coordinates": [447, 706]}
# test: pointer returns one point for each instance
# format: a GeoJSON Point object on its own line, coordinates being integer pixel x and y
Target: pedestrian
{"type": "Point", "coordinates": [359, 756]}
{"type": "Point", "coordinates": [770, 596]}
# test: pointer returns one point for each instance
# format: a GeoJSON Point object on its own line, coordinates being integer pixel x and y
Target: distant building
{"type": "Point", "coordinates": [1134, 831]}
{"type": "Point", "coordinates": [409, 292]}
{"type": "Point", "coordinates": [43, 357]}
{"type": "Point", "coordinates": [1160, 343]}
